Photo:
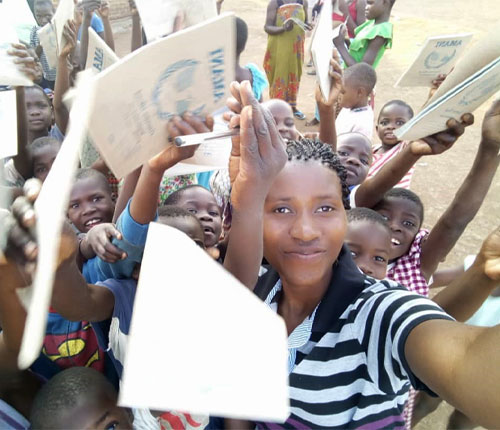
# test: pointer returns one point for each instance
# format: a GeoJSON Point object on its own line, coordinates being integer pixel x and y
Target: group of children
{"type": "Point", "coordinates": [323, 228]}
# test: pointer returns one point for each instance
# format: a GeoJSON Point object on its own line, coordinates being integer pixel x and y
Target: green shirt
{"type": "Point", "coordinates": [366, 32]}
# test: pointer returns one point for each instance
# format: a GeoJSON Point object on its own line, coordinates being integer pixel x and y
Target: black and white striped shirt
{"type": "Point", "coordinates": [352, 372]}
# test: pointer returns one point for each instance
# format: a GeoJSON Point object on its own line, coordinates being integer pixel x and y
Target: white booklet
{"type": "Point", "coordinates": [9, 72]}
{"type": "Point", "coordinates": [465, 97]}
{"type": "Point", "coordinates": [438, 56]}
{"type": "Point", "coordinates": [65, 11]}
{"type": "Point", "coordinates": [8, 124]}
{"type": "Point", "coordinates": [217, 349]}
{"type": "Point", "coordinates": [137, 96]}
{"type": "Point", "coordinates": [48, 40]}
{"type": "Point", "coordinates": [157, 16]}
{"type": "Point", "coordinates": [51, 207]}
{"type": "Point", "coordinates": [20, 15]}
{"type": "Point", "coordinates": [322, 48]}
{"type": "Point", "coordinates": [99, 55]}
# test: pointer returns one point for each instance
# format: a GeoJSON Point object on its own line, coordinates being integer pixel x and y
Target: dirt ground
{"type": "Point", "coordinates": [436, 178]}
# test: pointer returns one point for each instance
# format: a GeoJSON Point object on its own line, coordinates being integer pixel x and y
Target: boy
{"type": "Point", "coordinates": [44, 151]}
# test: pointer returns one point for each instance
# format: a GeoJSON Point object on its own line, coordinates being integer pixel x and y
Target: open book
{"type": "Point", "coordinates": [475, 78]}
{"type": "Point", "coordinates": [438, 56]}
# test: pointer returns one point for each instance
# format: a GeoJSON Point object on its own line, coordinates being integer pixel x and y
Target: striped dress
{"type": "Point", "coordinates": [351, 372]}
{"type": "Point", "coordinates": [380, 159]}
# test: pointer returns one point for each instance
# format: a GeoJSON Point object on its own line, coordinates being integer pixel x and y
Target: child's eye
{"type": "Point", "coordinates": [408, 223]}
{"type": "Point", "coordinates": [379, 259]}
{"type": "Point", "coordinates": [400, 123]}
{"type": "Point", "coordinates": [384, 122]}
{"type": "Point", "coordinates": [97, 198]}
{"type": "Point", "coordinates": [193, 211]}
{"type": "Point", "coordinates": [325, 209]}
{"type": "Point", "coordinates": [342, 153]}
{"type": "Point", "coordinates": [112, 426]}
{"type": "Point", "coordinates": [364, 161]}
{"type": "Point", "coordinates": [289, 123]}
{"type": "Point", "coordinates": [353, 254]}
{"type": "Point", "coordinates": [74, 206]}
{"type": "Point", "coordinates": [214, 214]}
{"type": "Point", "coordinates": [282, 210]}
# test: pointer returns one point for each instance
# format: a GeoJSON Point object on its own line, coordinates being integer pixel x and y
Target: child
{"type": "Point", "coordinates": [44, 151]}
{"type": "Point", "coordinates": [79, 398]}
{"type": "Point", "coordinates": [202, 204]}
{"type": "Point", "coordinates": [43, 11]}
{"type": "Point", "coordinates": [372, 37]}
{"type": "Point", "coordinates": [353, 14]}
{"type": "Point", "coordinates": [361, 341]}
{"type": "Point", "coordinates": [369, 240]}
{"type": "Point", "coordinates": [392, 116]}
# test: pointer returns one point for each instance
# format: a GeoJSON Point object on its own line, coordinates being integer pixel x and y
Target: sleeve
{"type": "Point", "coordinates": [381, 30]}
{"type": "Point", "coordinates": [96, 24]}
{"type": "Point", "coordinates": [259, 80]}
{"type": "Point", "coordinates": [56, 133]}
{"type": "Point", "coordinates": [385, 321]}
{"type": "Point", "coordinates": [133, 242]}
{"type": "Point", "coordinates": [352, 196]}
{"type": "Point", "coordinates": [33, 37]}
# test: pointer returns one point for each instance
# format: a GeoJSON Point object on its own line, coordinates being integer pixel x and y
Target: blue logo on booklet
{"type": "Point", "coordinates": [173, 90]}
{"type": "Point", "coordinates": [434, 60]}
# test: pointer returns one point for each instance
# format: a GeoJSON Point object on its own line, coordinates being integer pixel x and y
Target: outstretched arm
{"type": "Point", "coordinates": [370, 55]}
{"type": "Point", "coordinates": [136, 27]}
{"type": "Point", "coordinates": [257, 156]}
{"type": "Point", "coordinates": [468, 198]}
{"type": "Point", "coordinates": [372, 190]}
{"type": "Point", "coordinates": [108, 30]}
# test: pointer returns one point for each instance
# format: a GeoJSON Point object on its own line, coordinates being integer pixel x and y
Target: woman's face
{"type": "Point", "coordinates": [304, 223]}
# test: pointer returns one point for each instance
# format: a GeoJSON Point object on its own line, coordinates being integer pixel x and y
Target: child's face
{"type": "Point", "coordinates": [201, 202]}
{"type": "Point", "coordinates": [188, 226]}
{"type": "Point", "coordinates": [90, 204]}
{"type": "Point", "coordinates": [370, 245]}
{"type": "Point", "coordinates": [374, 8]}
{"type": "Point", "coordinates": [96, 411]}
{"type": "Point", "coordinates": [351, 95]}
{"type": "Point", "coordinates": [304, 223]}
{"type": "Point", "coordinates": [283, 116]}
{"type": "Point", "coordinates": [391, 118]}
{"type": "Point", "coordinates": [43, 159]}
{"type": "Point", "coordinates": [38, 110]}
{"type": "Point", "coordinates": [404, 219]}
{"type": "Point", "coordinates": [355, 153]}
{"type": "Point", "coordinates": [43, 12]}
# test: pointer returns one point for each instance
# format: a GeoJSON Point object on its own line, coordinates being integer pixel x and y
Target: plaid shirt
{"type": "Point", "coordinates": [407, 271]}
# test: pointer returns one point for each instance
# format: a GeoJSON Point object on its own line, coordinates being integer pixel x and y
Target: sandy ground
{"type": "Point", "coordinates": [437, 178]}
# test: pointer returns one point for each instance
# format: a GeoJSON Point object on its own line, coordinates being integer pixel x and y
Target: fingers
{"type": "Point", "coordinates": [185, 125]}
{"type": "Point", "coordinates": [32, 189]}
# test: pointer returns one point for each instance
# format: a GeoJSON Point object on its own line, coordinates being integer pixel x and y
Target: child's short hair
{"type": "Point", "coordinates": [39, 88]}
{"type": "Point", "coordinates": [175, 212]}
{"type": "Point", "coordinates": [397, 103]}
{"type": "Point", "coordinates": [174, 198]}
{"type": "Point", "coordinates": [403, 193]}
{"type": "Point", "coordinates": [63, 392]}
{"type": "Point", "coordinates": [308, 149]}
{"type": "Point", "coordinates": [87, 173]}
{"type": "Point", "coordinates": [366, 214]}
{"type": "Point", "coordinates": [361, 75]}
{"type": "Point", "coordinates": [241, 35]}
{"type": "Point", "coordinates": [42, 142]}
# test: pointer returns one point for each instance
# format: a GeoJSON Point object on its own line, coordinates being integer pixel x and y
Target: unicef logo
{"type": "Point", "coordinates": [172, 93]}
{"type": "Point", "coordinates": [435, 61]}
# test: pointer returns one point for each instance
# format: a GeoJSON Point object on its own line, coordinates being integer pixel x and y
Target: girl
{"type": "Point", "coordinates": [371, 38]}
{"type": "Point", "coordinates": [393, 115]}
{"type": "Point", "coordinates": [353, 14]}
{"type": "Point", "coordinates": [357, 342]}
{"type": "Point", "coordinates": [285, 50]}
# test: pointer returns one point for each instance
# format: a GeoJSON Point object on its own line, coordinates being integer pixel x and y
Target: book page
{"type": "Point", "coordinates": [157, 16]}
{"type": "Point", "coordinates": [438, 56]}
{"type": "Point", "coordinates": [48, 40]}
{"type": "Point", "coordinates": [8, 124]}
{"type": "Point", "coordinates": [479, 55]}
{"type": "Point", "coordinates": [99, 55]}
{"type": "Point", "coordinates": [162, 79]}
{"type": "Point", "coordinates": [464, 99]}
{"type": "Point", "coordinates": [65, 11]}
{"type": "Point", "coordinates": [322, 48]}
{"type": "Point", "coordinates": [20, 15]}
{"type": "Point", "coordinates": [51, 207]}
{"type": "Point", "coordinates": [208, 332]}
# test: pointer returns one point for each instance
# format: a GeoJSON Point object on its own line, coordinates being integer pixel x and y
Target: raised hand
{"type": "Point", "coordinates": [70, 35]}
{"type": "Point", "coordinates": [133, 8]}
{"type": "Point", "coordinates": [489, 255]}
{"type": "Point", "coordinates": [99, 240]}
{"type": "Point", "coordinates": [336, 83]}
{"type": "Point", "coordinates": [26, 63]}
{"type": "Point", "coordinates": [104, 9]}
{"type": "Point", "coordinates": [90, 6]}
{"type": "Point", "coordinates": [444, 140]}
{"type": "Point", "coordinates": [490, 132]}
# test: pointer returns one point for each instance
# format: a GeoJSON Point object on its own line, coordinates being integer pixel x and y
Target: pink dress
{"type": "Point", "coordinates": [380, 159]}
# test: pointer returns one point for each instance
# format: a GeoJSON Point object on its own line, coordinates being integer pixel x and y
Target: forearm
{"type": "Point", "coordinates": [108, 33]}
{"type": "Point", "coordinates": [272, 30]}
{"type": "Point", "coordinates": [372, 190]}
{"type": "Point", "coordinates": [61, 87]}
{"type": "Point", "coordinates": [136, 33]}
{"type": "Point", "coordinates": [327, 130]}
{"type": "Point", "coordinates": [22, 161]}
{"type": "Point", "coordinates": [126, 192]}
{"type": "Point", "coordinates": [12, 319]}
{"type": "Point", "coordinates": [145, 199]}
{"type": "Point", "coordinates": [84, 42]}
{"type": "Point", "coordinates": [341, 47]}
{"type": "Point", "coordinates": [465, 295]}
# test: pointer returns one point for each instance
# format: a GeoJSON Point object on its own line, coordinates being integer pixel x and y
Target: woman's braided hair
{"type": "Point", "coordinates": [308, 149]}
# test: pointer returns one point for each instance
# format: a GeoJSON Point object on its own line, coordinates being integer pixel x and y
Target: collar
{"type": "Point", "coordinates": [346, 284]}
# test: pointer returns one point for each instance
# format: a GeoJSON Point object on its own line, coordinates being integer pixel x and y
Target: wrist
{"type": "Point", "coordinates": [478, 274]}
{"type": "Point", "coordinates": [489, 147]}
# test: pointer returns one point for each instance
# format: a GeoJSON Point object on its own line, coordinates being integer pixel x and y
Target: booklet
{"type": "Point", "coordinates": [208, 333]}
{"type": "Point", "coordinates": [99, 55]}
{"type": "Point", "coordinates": [48, 40]}
{"type": "Point", "coordinates": [465, 97]}
{"type": "Point", "coordinates": [322, 49]}
{"type": "Point", "coordinates": [161, 79]}
{"type": "Point", "coordinates": [51, 207]}
{"type": "Point", "coordinates": [65, 11]}
{"type": "Point", "coordinates": [20, 16]}
{"type": "Point", "coordinates": [9, 72]}
{"type": "Point", "coordinates": [438, 56]}
{"type": "Point", "coordinates": [158, 16]}
{"type": "Point", "coordinates": [8, 124]}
